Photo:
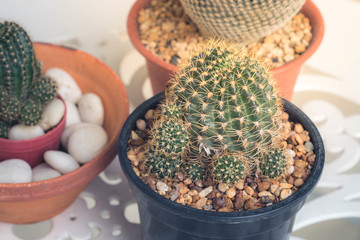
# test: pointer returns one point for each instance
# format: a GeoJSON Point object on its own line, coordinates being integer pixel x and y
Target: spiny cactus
{"type": "Point", "coordinates": [273, 164]}
{"type": "Point", "coordinates": [242, 21]}
{"type": "Point", "coordinates": [168, 140]}
{"type": "Point", "coordinates": [164, 165]}
{"type": "Point", "coordinates": [230, 112]}
{"type": "Point", "coordinates": [4, 129]}
{"type": "Point", "coordinates": [169, 135]}
{"type": "Point", "coordinates": [229, 101]}
{"type": "Point", "coordinates": [23, 91]}
{"type": "Point", "coordinates": [228, 168]}
{"type": "Point", "coordinates": [194, 170]}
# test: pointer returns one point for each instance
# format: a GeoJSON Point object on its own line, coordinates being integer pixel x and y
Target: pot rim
{"type": "Point", "coordinates": [309, 9]}
{"type": "Point", "coordinates": [190, 212]}
{"type": "Point", "coordinates": [18, 192]}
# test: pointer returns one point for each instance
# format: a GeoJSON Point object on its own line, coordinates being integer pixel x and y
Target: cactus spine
{"type": "Point", "coordinates": [23, 91]}
{"type": "Point", "coordinates": [230, 110]}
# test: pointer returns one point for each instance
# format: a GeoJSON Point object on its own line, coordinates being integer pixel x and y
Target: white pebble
{"type": "Point", "coordinates": [22, 132]}
{"type": "Point", "coordinates": [70, 129]}
{"type": "Point", "coordinates": [68, 87]}
{"type": "Point", "coordinates": [161, 186]}
{"type": "Point", "coordinates": [141, 124]}
{"type": "Point", "coordinates": [52, 114]}
{"type": "Point", "coordinates": [85, 143]}
{"type": "Point", "coordinates": [205, 192]}
{"type": "Point", "coordinates": [309, 146]}
{"type": "Point", "coordinates": [43, 172]}
{"type": "Point", "coordinates": [289, 152]}
{"type": "Point", "coordinates": [72, 114]}
{"type": "Point", "coordinates": [91, 109]}
{"type": "Point", "coordinates": [15, 171]}
{"type": "Point", "coordinates": [61, 161]}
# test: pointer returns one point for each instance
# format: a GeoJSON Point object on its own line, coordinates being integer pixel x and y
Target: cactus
{"type": "Point", "coordinates": [242, 21]}
{"type": "Point", "coordinates": [229, 101]}
{"type": "Point", "coordinates": [23, 91]}
{"type": "Point", "coordinates": [273, 164]}
{"type": "Point", "coordinates": [167, 142]}
{"type": "Point", "coordinates": [164, 165]}
{"type": "Point", "coordinates": [230, 113]}
{"type": "Point", "coordinates": [194, 170]}
{"type": "Point", "coordinates": [228, 168]}
{"type": "Point", "coordinates": [4, 129]}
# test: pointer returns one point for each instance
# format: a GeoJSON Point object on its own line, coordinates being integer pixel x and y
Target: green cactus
{"type": "Point", "coordinates": [228, 168]}
{"type": "Point", "coordinates": [169, 135]}
{"type": "Point", "coordinates": [242, 21]}
{"type": "Point", "coordinates": [273, 164]}
{"type": "Point", "coordinates": [194, 170]}
{"type": "Point", "coordinates": [23, 91]}
{"type": "Point", "coordinates": [30, 113]}
{"type": "Point", "coordinates": [44, 90]}
{"type": "Point", "coordinates": [229, 112]}
{"type": "Point", "coordinates": [229, 101]}
{"type": "Point", "coordinates": [168, 140]}
{"type": "Point", "coordinates": [163, 165]}
{"type": "Point", "coordinates": [4, 129]}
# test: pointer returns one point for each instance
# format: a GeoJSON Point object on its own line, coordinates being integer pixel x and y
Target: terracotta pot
{"type": "Point", "coordinates": [32, 150]}
{"type": "Point", "coordinates": [160, 71]}
{"type": "Point", "coordinates": [38, 201]}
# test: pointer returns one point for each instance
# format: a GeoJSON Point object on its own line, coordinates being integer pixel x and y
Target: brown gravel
{"type": "Point", "coordinates": [251, 193]}
{"type": "Point", "coordinates": [169, 33]}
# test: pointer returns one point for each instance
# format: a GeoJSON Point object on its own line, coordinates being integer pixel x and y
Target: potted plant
{"type": "Point", "coordinates": [24, 94]}
{"type": "Point", "coordinates": [160, 71]}
{"type": "Point", "coordinates": [220, 130]}
{"type": "Point", "coordinates": [36, 201]}
{"type": "Point", "coordinates": [244, 22]}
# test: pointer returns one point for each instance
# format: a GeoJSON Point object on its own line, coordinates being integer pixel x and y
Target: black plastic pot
{"type": "Point", "coordinates": [163, 219]}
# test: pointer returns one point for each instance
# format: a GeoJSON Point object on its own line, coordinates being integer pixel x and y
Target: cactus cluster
{"type": "Point", "coordinates": [23, 91]}
{"type": "Point", "coordinates": [168, 142]}
{"type": "Point", "coordinates": [229, 112]}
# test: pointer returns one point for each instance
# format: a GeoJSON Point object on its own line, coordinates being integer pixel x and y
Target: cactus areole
{"type": "Point", "coordinates": [23, 91]}
{"type": "Point", "coordinates": [229, 119]}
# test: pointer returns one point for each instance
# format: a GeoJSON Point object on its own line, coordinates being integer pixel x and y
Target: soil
{"type": "Point", "coordinates": [167, 32]}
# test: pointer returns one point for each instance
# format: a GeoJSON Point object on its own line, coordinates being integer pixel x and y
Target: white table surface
{"type": "Point", "coordinates": [328, 90]}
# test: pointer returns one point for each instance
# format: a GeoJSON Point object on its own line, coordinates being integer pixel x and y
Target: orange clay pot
{"type": "Point", "coordinates": [38, 201]}
{"type": "Point", "coordinates": [160, 71]}
{"type": "Point", "coordinates": [32, 150]}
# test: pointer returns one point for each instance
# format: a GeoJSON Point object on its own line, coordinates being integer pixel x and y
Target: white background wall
{"type": "Point", "coordinates": [95, 26]}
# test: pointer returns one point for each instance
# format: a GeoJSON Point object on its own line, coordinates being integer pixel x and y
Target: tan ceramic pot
{"type": "Point", "coordinates": [38, 201]}
{"type": "Point", "coordinates": [160, 71]}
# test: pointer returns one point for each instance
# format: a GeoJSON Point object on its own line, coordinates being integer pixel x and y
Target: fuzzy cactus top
{"type": "Point", "coordinates": [229, 100]}
{"type": "Point", "coordinates": [230, 110]}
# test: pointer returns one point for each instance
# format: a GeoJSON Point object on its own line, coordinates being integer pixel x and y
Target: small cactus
{"type": "Point", "coordinates": [194, 170]}
{"type": "Point", "coordinates": [23, 91]}
{"type": "Point", "coordinates": [273, 164]}
{"type": "Point", "coordinates": [4, 129]}
{"type": "Point", "coordinates": [169, 135]}
{"type": "Point", "coordinates": [164, 165]}
{"type": "Point", "coordinates": [224, 103]}
{"type": "Point", "coordinates": [228, 168]}
{"type": "Point", "coordinates": [168, 140]}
